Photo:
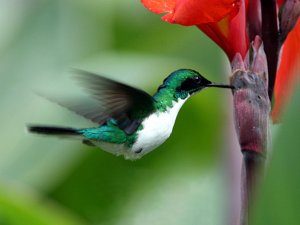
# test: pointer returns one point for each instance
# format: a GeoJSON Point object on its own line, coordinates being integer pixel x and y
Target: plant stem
{"type": "Point", "coordinates": [253, 164]}
{"type": "Point", "coordinates": [251, 114]}
{"type": "Point", "coordinates": [270, 38]}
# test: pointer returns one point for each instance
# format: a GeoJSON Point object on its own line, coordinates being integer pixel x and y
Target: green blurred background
{"type": "Point", "coordinates": [52, 181]}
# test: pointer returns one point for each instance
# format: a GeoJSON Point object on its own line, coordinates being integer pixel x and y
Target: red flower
{"type": "Point", "coordinates": [224, 21]}
{"type": "Point", "coordinates": [191, 12]}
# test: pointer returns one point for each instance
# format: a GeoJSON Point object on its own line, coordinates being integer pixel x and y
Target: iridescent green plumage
{"type": "Point", "coordinates": [170, 90]}
{"type": "Point", "coordinates": [130, 121]}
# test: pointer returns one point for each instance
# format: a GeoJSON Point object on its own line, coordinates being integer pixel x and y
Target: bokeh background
{"type": "Point", "coordinates": [46, 181]}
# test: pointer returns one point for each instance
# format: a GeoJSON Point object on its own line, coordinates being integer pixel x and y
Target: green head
{"type": "Point", "coordinates": [181, 84]}
{"type": "Point", "coordinates": [185, 82]}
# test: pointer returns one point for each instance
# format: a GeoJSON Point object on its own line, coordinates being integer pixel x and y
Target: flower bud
{"type": "Point", "coordinates": [256, 59]}
{"type": "Point", "coordinates": [251, 110]}
{"type": "Point", "coordinates": [289, 15]}
{"type": "Point", "coordinates": [250, 98]}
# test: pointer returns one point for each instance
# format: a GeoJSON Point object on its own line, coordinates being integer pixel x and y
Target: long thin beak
{"type": "Point", "coordinates": [220, 85]}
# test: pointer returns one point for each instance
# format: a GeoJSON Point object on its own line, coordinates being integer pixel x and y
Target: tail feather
{"type": "Point", "coordinates": [58, 131]}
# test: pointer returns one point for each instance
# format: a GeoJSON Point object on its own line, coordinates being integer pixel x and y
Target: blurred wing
{"type": "Point", "coordinates": [115, 99]}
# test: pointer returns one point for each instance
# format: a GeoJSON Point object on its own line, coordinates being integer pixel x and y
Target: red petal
{"type": "Point", "coordinates": [160, 6]}
{"type": "Point", "coordinates": [192, 12]}
{"type": "Point", "coordinates": [288, 73]}
{"type": "Point", "coordinates": [230, 33]}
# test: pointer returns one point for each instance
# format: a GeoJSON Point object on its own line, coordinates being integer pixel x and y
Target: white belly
{"type": "Point", "coordinates": [156, 129]}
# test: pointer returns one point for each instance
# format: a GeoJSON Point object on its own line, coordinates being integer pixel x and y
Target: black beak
{"type": "Point", "coordinates": [219, 85]}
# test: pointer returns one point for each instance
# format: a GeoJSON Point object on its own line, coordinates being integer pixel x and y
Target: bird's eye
{"type": "Point", "coordinates": [197, 79]}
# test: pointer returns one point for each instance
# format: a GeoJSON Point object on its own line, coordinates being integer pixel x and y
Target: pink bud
{"type": "Point", "coordinates": [251, 110]}
{"type": "Point", "coordinates": [250, 98]}
{"type": "Point", "coordinates": [289, 17]}
{"type": "Point", "coordinates": [259, 65]}
{"type": "Point", "coordinates": [256, 59]}
{"type": "Point", "coordinates": [237, 63]}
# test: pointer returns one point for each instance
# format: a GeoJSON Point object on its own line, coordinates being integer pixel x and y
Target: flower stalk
{"type": "Point", "coordinates": [251, 114]}
{"type": "Point", "coordinates": [270, 36]}
{"type": "Point", "coordinates": [252, 169]}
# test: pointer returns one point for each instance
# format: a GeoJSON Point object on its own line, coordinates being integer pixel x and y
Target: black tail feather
{"type": "Point", "coordinates": [52, 130]}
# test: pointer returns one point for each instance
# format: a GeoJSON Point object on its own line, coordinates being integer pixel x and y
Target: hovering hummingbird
{"type": "Point", "coordinates": [131, 122]}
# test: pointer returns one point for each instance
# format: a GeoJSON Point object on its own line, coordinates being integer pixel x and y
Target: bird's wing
{"type": "Point", "coordinates": [128, 105]}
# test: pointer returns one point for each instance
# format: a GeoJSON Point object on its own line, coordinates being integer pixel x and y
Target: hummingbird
{"type": "Point", "coordinates": [130, 121]}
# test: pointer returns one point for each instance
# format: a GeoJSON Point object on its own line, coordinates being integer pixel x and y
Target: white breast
{"type": "Point", "coordinates": [156, 129]}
